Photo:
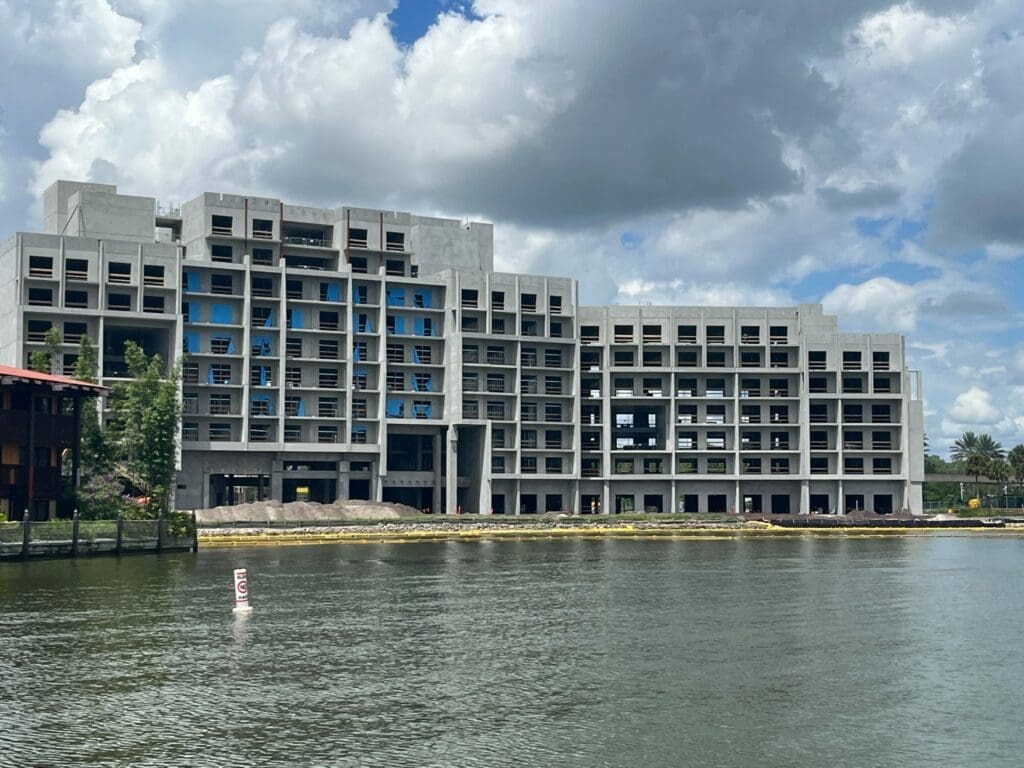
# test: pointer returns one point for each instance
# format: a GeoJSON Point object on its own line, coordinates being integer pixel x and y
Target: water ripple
{"type": "Point", "coordinates": [802, 652]}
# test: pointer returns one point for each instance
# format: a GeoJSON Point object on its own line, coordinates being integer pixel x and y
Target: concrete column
{"type": "Point", "coordinates": [738, 504]}
{"type": "Point", "coordinates": [342, 480]}
{"type": "Point", "coordinates": [452, 473]}
{"type": "Point", "coordinates": [484, 498]}
{"type": "Point", "coordinates": [805, 497]}
{"type": "Point", "coordinates": [206, 488]}
{"type": "Point", "coordinates": [276, 481]}
{"type": "Point", "coordinates": [435, 505]}
{"type": "Point", "coordinates": [377, 478]}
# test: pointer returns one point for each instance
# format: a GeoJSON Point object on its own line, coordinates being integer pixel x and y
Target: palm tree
{"type": "Point", "coordinates": [977, 453]}
{"type": "Point", "coordinates": [989, 448]}
{"type": "Point", "coordinates": [964, 446]}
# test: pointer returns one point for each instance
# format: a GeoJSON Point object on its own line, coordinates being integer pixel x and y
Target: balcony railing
{"type": "Point", "coordinates": [314, 242]}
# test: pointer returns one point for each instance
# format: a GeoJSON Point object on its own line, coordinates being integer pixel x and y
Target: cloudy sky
{"type": "Point", "coordinates": [857, 153]}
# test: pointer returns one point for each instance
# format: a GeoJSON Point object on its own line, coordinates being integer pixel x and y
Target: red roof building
{"type": "Point", "coordinates": [40, 441]}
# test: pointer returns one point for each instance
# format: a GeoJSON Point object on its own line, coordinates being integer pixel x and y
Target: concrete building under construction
{"type": "Point", "coordinates": [354, 353]}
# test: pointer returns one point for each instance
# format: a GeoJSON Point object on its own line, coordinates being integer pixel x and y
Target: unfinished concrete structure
{"type": "Point", "coordinates": [355, 353]}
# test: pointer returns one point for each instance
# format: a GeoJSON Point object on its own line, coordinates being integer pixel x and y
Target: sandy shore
{"type": "Point", "coordinates": [392, 531]}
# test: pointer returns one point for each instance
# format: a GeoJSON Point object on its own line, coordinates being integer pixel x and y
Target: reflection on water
{"type": "Point", "coordinates": [804, 651]}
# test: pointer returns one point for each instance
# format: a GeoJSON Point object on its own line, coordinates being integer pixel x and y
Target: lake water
{"type": "Point", "coordinates": [812, 651]}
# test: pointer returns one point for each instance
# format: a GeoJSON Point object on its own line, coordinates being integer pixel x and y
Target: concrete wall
{"type": "Point", "coordinates": [442, 244]}
{"type": "Point", "coordinates": [10, 310]}
{"type": "Point", "coordinates": [55, 202]}
{"type": "Point", "coordinates": [106, 215]}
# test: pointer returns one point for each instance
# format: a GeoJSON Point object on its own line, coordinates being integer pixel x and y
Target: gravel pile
{"type": "Point", "coordinates": [296, 511]}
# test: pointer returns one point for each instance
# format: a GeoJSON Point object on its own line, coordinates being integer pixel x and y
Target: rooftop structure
{"type": "Point", "coordinates": [358, 353]}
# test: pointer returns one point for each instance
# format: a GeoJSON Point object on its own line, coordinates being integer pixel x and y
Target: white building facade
{"type": "Point", "coordinates": [355, 353]}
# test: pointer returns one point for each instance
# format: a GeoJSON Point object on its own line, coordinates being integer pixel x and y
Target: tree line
{"type": "Point", "coordinates": [980, 455]}
{"type": "Point", "coordinates": [127, 461]}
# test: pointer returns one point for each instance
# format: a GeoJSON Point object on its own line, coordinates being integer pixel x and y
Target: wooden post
{"type": "Point", "coordinates": [120, 533]}
{"type": "Point", "coordinates": [160, 533]}
{"type": "Point", "coordinates": [24, 535]}
{"type": "Point", "coordinates": [76, 446]}
{"type": "Point", "coordinates": [74, 534]}
{"type": "Point", "coordinates": [31, 450]}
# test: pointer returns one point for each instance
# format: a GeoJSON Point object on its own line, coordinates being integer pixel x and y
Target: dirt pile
{"type": "Point", "coordinates": [305, 511]}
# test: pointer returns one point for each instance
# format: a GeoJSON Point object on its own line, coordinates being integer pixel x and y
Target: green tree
{"type": "Point", "coordinates": [964, 446]}
{"type": "Point", "coordinates": [990, 448]}
{"type": "Point", "coordinates": [976, 465]}
{"type": "Point", "coordinates": [101, 497]}
{"type": "Point", "coordinates": [998, 470]}
{"type": "Point", "coordinates": [87, 364]}
{"type": "Point", "coordinates": [976, 453]}
{"type": "Point", "coordinates": [1015, 458]}
{"type": "Point", "coordinates": [49, 359]}
{"type": "Point", "coordinates": [94, 453]}
{"type": "Point", "coordinates": [146, 412]}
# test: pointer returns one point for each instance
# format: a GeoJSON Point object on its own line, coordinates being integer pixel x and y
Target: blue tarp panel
{"type": "Point", "coordinates": [302, 408]}
{"type": "Point", "coordinates": [359, 297]}
{"type": "Point", "coordinates": [358, 430]}
{"type": "Point", "coordinates": [424, 297]}
{"type": "Point", "coordinates": [421, 411]}
{"type": "Point", "coordinates": [222, 314]}
{"type": "Point", "coordinates": [264, 373]}
{"type": "Point", "coordinates": [209, 375]}
{"type": "Point", "coordinates": [191, 280]}
{"type": "Point", "coordinates": [363, 324]}
{"type": "Point", "coordinates": [262, 346]}
{"type": "Point", "coordinates": [429, 383]}
{"type": "Point", "coordinates": [295, 318]}
{"type": "Point", "coordinates": [333, 292]}
{"type": "Point", "coordinates": [395, 297]}
{"type": "Point", "coordinates": [190, 311]}
{"type": "Point", "coordinates": [415, 356]}
{"type": "Point", "coordinates": [394, 408]}
{"type": "Point", "coordinates": [191, 342]}
{"type": "Point", "coordinates": [358, 352]}
{"type": "Point", "coordinates": [399, 325]}
{"type": "Point", "coordinates": [419, 327]}
{"type": "Point", "coordinates": [269, 321]}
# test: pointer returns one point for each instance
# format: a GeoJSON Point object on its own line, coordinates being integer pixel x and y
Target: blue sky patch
{"type": "Point", "coordinates": [630, 240]}
{"type": "Point", "coordinates": [894, 231]}
{"type": "Point", "coordinates": [412, 18]}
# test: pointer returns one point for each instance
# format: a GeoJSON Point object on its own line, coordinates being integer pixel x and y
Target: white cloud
{"type": "Point", "coordinates": [172, 134]}
{"type": "Point", "coordinates": [975, 407]}
{"type": "Point", "coordinates": [877, 303]}
{"type": "Point", "coordinates": [84, 35]}
{"type": "Point", "coordinates": [882, 303]}
{"type": "Point", "coordinates": [698, 294]}
{"type": "Point", "coordinates": [697, 153]}
{"type": "Point", "coordinates": [902, 35]}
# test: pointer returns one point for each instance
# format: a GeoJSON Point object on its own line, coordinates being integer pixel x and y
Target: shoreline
{"type": "Point", "coordinates": [398, 532]}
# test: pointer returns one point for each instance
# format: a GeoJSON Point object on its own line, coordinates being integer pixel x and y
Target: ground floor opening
{"type": "Point", "coordinates": [315, 489]}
